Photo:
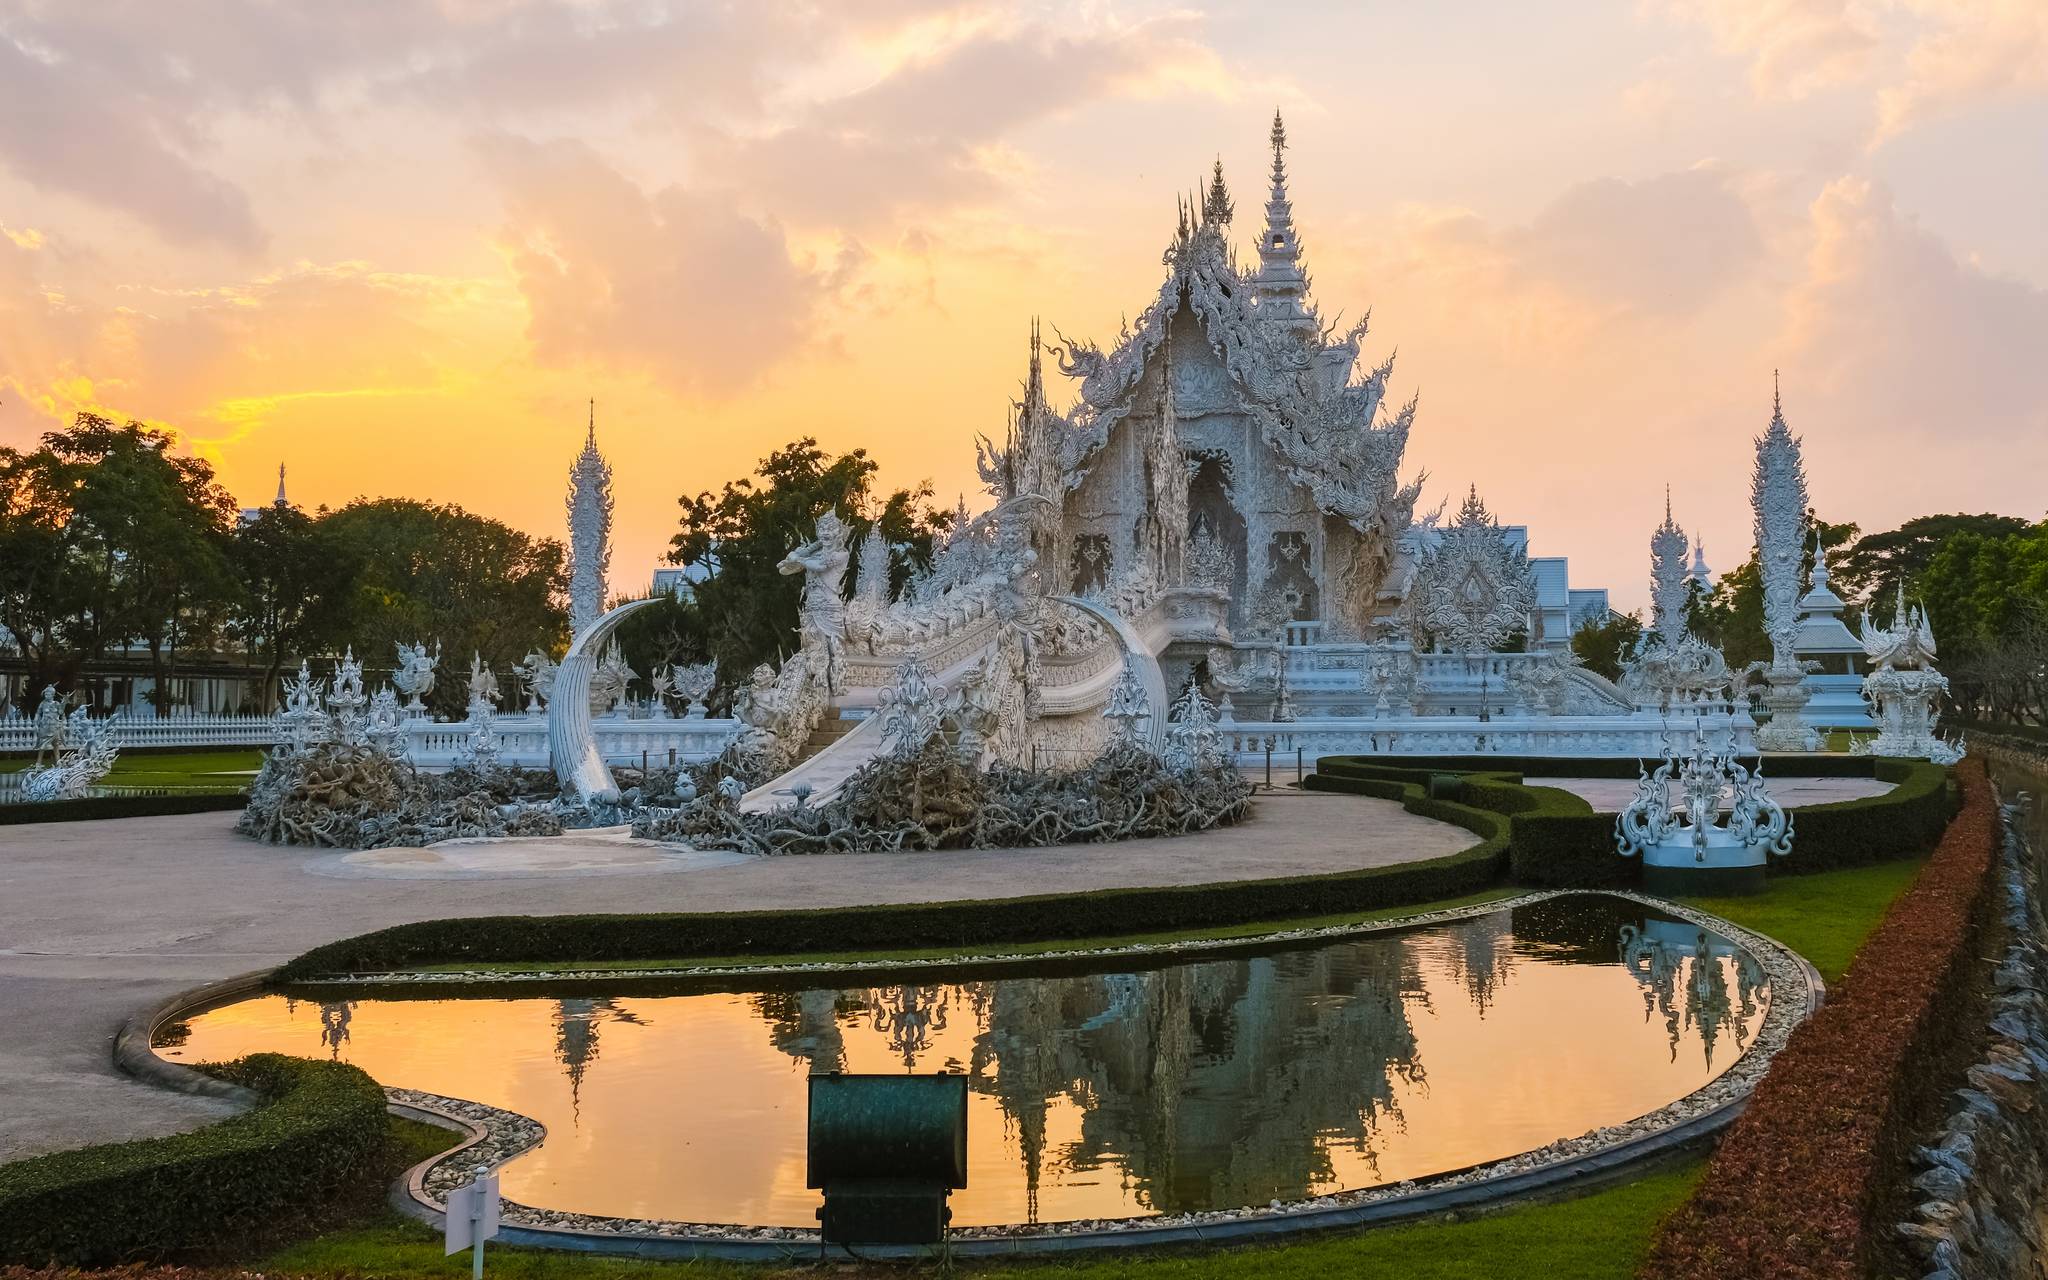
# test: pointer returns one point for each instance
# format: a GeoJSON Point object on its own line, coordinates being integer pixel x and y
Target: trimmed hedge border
{"type": "Point", "coordinates": [95, 807]}
{"type": "Point", "coordinates": [1049, 917]}
{"type": "Point", "coordinates": [1556, 841]}
{"type": "Point", "coordinates": [1803, 1183]}
{"type": "Point", "coordinates": [322, 1132]}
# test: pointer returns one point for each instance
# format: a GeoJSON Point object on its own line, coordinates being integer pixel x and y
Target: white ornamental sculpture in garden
{"type": "Point", "coordinates": [1778, 500]}
{"type": "Point", "coordinates": [693, 685]}
{"type": "Point", "coordinates": [1127, 704]}
{"type": "Point", "coordinates": [1475, 589]}
{"type": "Point", "coordinates": [590, 531]}
{"type": "Point", "coordinates": [913, 710]}
{"type": "Point", "coordinates": [346, 700]}
{"type": "Point", "coordinates": [82, 752]}
{"type": "Point", "coordinates": [1192, 740]}
{"type": "Point", "coordinates": [384, 727]}
{"type": "Point", "coordinates": [1687, 847]}
{"type": "Point", "coordinates": [1672, 669]}
{"type": "Point", "coordinates": [302, 722]}
{"type": "Point", "coordinates": [611, 681]}
{"type": "Point", "coordinates": [1904, 689]}
{"type": "Point", "coordinates": [415, 674]}
{"type": "Point", "coordinates": [661, 685]}
{"type": "Point", "coordinates": [52, 729]}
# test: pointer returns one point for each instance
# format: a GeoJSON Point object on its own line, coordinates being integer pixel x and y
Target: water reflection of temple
{"type": "Point", "coordinates": [1221, 1082]}
{"type": "Point", "coordinates": [576, 1037]}
{"type": "Point", "coordinates": [1694, 980]}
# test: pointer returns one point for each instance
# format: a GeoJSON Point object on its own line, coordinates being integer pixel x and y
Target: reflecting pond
{"type": "Point", "coordinates": [1231, 1079]}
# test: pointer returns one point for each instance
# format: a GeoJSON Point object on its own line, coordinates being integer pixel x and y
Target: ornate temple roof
{"type": "Point", "coordinates": [1327, 426]}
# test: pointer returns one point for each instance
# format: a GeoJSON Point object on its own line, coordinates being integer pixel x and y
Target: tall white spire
{"type": "Point", "coordinates": [590, 531]}
{"type": "Point", "coordinates": [1667, 577]}
{"type": "Point", "coordinates": [1280, 285]}
{"type": "Point", "coordinates": [1778, 499]}
{"type": "Point", "coordinates": [280, 486]}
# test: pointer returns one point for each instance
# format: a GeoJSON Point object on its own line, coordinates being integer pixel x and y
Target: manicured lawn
{"type": "Point", "coordinates": [198, 770]}
{"type": "Point", "coordinates": [1824, 917]}
{"type": "Point", "coordinates": [1594, 1237]}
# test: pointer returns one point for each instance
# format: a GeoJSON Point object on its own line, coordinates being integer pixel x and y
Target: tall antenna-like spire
{"type": "Point", "coordinates": [591, 438]}
{"type": "Point", "coordinates": [589, 506]}
{"type": "Point", "coordinates": [1280, 285]}
{"type": "Point", "coordinates": [280, 485]}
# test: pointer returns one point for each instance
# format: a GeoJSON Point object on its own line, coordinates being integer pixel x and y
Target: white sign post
{"type": "Point", "coordinates": [473, 1218]}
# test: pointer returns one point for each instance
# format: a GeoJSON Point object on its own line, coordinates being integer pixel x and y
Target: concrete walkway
{"type": "Point", "coordinates": [100, 919]}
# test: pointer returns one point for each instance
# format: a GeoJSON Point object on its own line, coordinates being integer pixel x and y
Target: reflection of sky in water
{"type": "Point", "coordinates": [1201, 1085]}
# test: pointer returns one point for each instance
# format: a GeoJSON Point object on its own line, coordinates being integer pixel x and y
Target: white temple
{"type": "Point", "coordinates": [1223, 504]}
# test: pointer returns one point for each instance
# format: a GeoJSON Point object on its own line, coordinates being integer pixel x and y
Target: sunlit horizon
{"type": "Point", "coordinates": [399, 253]}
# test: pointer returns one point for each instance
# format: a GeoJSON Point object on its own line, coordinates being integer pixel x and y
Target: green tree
{"type": "Point", "coordinates": [1731, 616]}
{"type": "Point", "coordinates": [438, 573]}
{"type": "Point", "coordinates": [296, 578]}
{"type": "Point", "coordinates": [744, 613]}
{"type": "Point", "coordinates": [1987, 597]}
{"type": "Point", "coordinates": [1603, 645]}
{"type": "Point", "coordinates": [124, 542]}
{"type": "Point", "coordinates": [1873, 567]}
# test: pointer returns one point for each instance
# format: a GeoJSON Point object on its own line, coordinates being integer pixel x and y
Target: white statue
{"type": "Point", "coordinates": [913, 710]}
{"type": "Point", "coordinates": [483, 683]}
{"type": "Point", "coordinates": [82, 751]}
{"type": "Point", "coordinates": [415, 674]}
{"type": "Point", "coordinates": [537, 675]}
{"type": "Point", "coordinates": [51, 727]}
{"type": "Point", "coordinates": [822, 561]}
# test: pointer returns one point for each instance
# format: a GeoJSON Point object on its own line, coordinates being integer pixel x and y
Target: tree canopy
{"type": "Point", "coordinates": [744, 612]}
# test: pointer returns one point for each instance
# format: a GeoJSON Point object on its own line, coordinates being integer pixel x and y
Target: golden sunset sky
{"type": "Point", "coordinates": [396, 246]}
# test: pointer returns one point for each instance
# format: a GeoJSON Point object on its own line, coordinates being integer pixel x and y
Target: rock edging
{"type": "Point", "coordinates": [499, 1135]}
{"type": "Point", "coordinates": [1986, 1173]}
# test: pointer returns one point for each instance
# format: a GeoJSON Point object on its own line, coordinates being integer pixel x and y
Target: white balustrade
{"type": "Point", "coordinates": [523, 739]}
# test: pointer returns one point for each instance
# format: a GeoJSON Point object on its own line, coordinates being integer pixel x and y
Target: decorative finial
{"type": "Point", "coordinates": [592, 436]}
{"type": "Point", "coordinates": [1217, 207]}
{"type": "Point", "coordinates": [280, 485]}
{"type": "Point", "coordinates": [1777, 405]}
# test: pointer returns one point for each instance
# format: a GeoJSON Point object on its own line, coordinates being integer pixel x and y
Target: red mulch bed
{"type": "Point", "coordinates": [1801, 1184]}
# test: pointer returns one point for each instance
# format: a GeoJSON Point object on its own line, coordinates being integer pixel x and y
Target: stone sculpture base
{"type": "Point", "coordinates": [1786, 700]}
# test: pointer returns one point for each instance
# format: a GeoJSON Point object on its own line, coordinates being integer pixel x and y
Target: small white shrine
{"type": "Point", "coordinates": [1904, 689]}
{"type": "Point", "coordinates": [1831, 654]}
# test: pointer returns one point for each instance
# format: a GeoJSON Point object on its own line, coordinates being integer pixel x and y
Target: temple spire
{"type": "Point", "coordinates": [1216, 208]}
{"type": "Point", "coordinates": [589, 507]}
{"type": "Point", "coordinates": [280, 486]}
{"type": "Point", "coordinates": [1280, 286]}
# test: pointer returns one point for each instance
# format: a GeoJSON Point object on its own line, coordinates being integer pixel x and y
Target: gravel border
{"type": "Point", "coordinates": [498, 1135]}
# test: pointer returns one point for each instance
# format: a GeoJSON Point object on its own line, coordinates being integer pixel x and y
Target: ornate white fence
{"type": "Point", "coordinates": [1644, 734]}
{"type": "Point", "coordinates": [522, 738]}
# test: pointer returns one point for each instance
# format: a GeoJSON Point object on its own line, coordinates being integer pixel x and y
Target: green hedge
{"type": "Point", "coordinates": [1816, 765]}
{"type": "Point", "coordinates": [1104, 913]}
{"type": "Point", "coordinates": [322, 1133]}
{"type": "Point", "coordinates": [1555, 840]}
{"type": "Point", "coordinates": [94, 807]}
